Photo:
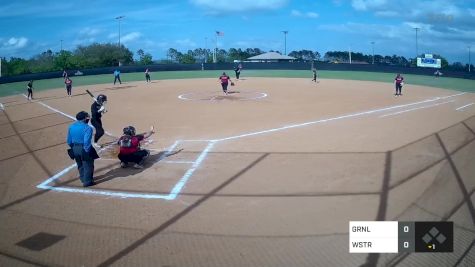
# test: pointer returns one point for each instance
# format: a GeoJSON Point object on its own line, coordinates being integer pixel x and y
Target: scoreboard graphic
{"type": "Point", "coordinates": [428, 61]}
{"type": "Point", "coordinates": [396, 237]}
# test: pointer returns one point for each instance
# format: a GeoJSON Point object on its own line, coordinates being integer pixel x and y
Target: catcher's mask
{"type": "Point", "coordinates": [129, 130]}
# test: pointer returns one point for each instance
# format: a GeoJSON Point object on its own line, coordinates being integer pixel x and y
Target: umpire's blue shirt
{"type": "Point", "coordinates": [80, 133]}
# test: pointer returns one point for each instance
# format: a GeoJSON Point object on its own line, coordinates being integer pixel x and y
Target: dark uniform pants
{"type": "Point", "coordinates": [97, 123]}
{"type": "Point", "coordinates": [225, 87]}
{"type": "Point", "coordinates": [398, 88]}
{"type": "Point", "coordinates": [136, 157]}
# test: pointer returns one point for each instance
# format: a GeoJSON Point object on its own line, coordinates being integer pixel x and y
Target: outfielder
{"type": "Point", "coordinates": [29, 88]}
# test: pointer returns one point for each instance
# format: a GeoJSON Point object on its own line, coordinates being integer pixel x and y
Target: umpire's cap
{"type": "Point", "coordinates": [82, 115]}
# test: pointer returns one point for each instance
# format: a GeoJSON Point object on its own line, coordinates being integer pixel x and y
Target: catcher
{"type": "Point", "coordinates": [129, 147]}
{"type": "Point", "coordinates": [224, 79]}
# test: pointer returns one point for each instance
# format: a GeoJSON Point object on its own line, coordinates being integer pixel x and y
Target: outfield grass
{"type": "Point", "coordinates": [444, 82]}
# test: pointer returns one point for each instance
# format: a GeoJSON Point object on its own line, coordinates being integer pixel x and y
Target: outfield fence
{"type": "Point", "coordinates": [247, 65]}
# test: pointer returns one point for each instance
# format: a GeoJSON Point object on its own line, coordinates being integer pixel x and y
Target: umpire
{"type": "Point", "coordinates": [79, 139]}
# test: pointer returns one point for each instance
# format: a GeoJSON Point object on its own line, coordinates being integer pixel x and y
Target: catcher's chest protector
{"type": "Point", "coordinates": [125, 141]}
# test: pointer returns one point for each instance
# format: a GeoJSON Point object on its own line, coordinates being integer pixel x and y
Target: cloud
{"type": "Point", "coordinates": [447, 41]}
{"type": "Point", "coordinates": [367, 4]}
{"type": "Point", "coordinates": [297, 13]}
{"type": "Point", "coordinates": [219, 6]}
{"type": "Point", "coordinates": [89, 32]}
{"type": "Point", "coordinates": [185, 43]}
{"type": "Point", "coordinates": [14, 43]}
{"type": "Point", "coordinates": [386, 13]}
{"type": "Point", "coordinates": [130, 37]}
{"type": "Point", "coordinates": [440, 18]}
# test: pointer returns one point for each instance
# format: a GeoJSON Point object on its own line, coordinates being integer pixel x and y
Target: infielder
{"type": "Point", "coordinates": [224, 79]}
{"type": "Point", "coordinates": [398, 82]}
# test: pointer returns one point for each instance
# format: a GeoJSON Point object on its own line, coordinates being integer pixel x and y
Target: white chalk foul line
{"type": "Point", "coordinates": [178, 162]}
{"type": "Point", "coordinates": [358, 114]}
{"type": "Point", "coordinates": [462, 107]}
{"type": "Point", "coordinates": [412, 109]}
{"type": "Point", "coordinates": [65, 114]}
{"type": "Point", "coordinates": [179, 186]}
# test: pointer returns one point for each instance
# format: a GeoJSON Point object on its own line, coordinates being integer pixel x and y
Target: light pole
{"type": "Point", "coordinates": [215, 55]}
{"type": "Point", "coordinates": [372, 45]}
{"type": "Point", "coordinates": [349, 53]}
{"type": "Point", "coordinates": [61, 45]}
{"type": "Point", "coordinates": [119, 18]}
{"type": "Point", "coordinates": [469, 59]}
{"type": "Point", "coordinates": [417, 48]}
{"type": "Point", "coordinates": [285, 41]}
{"type": "Point", "coordinates": [206, 49]}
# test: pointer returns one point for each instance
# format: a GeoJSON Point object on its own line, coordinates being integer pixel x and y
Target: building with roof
{"type": "Point", "coordinates": [270, 57]}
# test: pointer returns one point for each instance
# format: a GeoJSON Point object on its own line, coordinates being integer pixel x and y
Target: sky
{"type": "Point", "coordinates": [446, 27]}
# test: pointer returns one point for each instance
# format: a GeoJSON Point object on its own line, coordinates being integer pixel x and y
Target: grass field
{"type": "Point", "coordinates": [444, 82]}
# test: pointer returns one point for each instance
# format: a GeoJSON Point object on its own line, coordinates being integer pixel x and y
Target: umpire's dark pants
{"type": "Point", "coordinates": [117, 78]}
{"type": "Point", "coordinates": [136, 157]}
{"type": "Point", "coordinates": [85, 164]}
{"type": "Point", "coordinates": [97, 123]}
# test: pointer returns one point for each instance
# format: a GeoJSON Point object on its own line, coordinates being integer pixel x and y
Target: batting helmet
{"type": "Point", "coordinates": [129, 130]}
{"type": "Point", "coordinates": [101, 99]}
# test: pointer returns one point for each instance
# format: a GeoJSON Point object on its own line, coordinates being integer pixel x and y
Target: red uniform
{"type": "Point", "coordinates": [398, 82]}
{"type": "Point", "coordinates": [224, 82]}
{"type": "Point", "coordinates": [224, 79]}
{"type": "Point", "coordinates": [134, 145]}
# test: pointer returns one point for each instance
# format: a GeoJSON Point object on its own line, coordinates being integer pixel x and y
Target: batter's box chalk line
{"type": "Point", "coordinates": [175, 191]}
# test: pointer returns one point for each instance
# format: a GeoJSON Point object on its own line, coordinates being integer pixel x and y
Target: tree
{"type": "Point", "coordinates": [173, 54]}
{"type": "Point", "coordinates": [15, 66]}
{"type": "Point", "coordinates": [101, 55]}
{"type": "Point", "coordinates": [42, 62]}
{"type": "Point", "coordinates": [144, 58]}
{"type": "Point", "coordinates": [64, 60]}
{"type": "Point", "coordinates": [187, 58]}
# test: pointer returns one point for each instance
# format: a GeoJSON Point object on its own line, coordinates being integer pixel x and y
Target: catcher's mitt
{"type": "Point", "coordinates": [232, 84]}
